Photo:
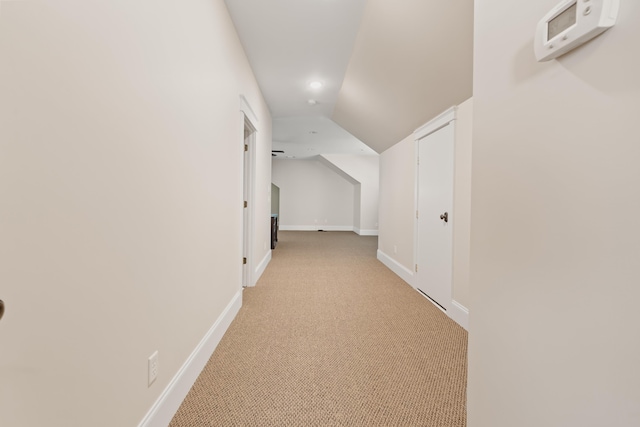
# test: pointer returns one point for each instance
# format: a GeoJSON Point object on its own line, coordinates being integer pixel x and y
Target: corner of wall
{"type": "Point", "coordinates": [403, 272]}
{"type": "Point", "coordinates": [262, 267]}
{"type": "Point", "coordinates": [366, 232]}
{"type": "Point", "coordinates": [459, 314]}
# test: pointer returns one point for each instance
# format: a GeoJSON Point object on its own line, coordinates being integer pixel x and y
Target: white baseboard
{"type": "Point", "coordinates": [393, 265]}
{"type": "Point", "coordinates": [169, 401]}
{"type": "Point", "coordinates": [261, 267]}
{"type": "Point", "coordinates": [459, 314]}
{"type": "Point", "coordinates": [316, 227]}
{"type": "Point", "coordinates": [366, 232]}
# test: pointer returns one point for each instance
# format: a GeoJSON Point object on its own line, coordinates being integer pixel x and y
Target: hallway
{"type": "Point", "coordinates": [331, 337]}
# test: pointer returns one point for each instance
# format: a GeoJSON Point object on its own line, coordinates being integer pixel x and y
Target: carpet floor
{"type": "Point", "coordinates": [331, 337]}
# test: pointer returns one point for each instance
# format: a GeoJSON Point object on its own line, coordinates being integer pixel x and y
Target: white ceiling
{"type": "Point", "coordinates": [387, 67]}
{"type": "Point", "coordinates": [301, 137]}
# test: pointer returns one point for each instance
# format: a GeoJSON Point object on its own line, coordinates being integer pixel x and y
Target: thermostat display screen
{"type": "Point", "coordinates": [570, 24]}
{"type": "Point", "coordinates": [563, 21]}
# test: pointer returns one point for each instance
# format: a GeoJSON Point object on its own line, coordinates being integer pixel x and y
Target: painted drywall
{"type": "Point", "coordinates": [555, 237]}
{"type": "Point", "coordinates": [397, 209]}
{"type": "Point", "coordinates": [357, 207]}
{"type": "Point", "coordinates": [462, 203]}
{"type": "Point", "coordinates": [261, 194]}
{"type": "Point", "coordinates": [119, 121]}
{"type": "Point", "coordinates": [401, 73]}
{"type": "Point", "coordinates": [366, 171]}
{"type": "Point", "coordinates": [275, 199]}
{"type": "Point", "coordinates": [312, 196]}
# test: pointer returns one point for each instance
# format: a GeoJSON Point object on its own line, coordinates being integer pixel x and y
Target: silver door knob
{"type": "Point", "coordinates": [445, 217]}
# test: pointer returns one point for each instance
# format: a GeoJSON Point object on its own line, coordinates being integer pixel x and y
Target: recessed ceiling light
{"type": "Point", "coordinates": [315, 85]}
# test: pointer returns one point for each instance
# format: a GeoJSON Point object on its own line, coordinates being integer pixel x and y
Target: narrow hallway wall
{"type": "Point", "coordinates": [119, 123]}
{"type": "Point", "coordinates": [555, 238]}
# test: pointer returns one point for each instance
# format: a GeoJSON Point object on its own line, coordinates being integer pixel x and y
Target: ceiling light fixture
{"type": "Point", "coordinates": [312, 102]}
{"type": "Point", "coordinates": [315, 85]}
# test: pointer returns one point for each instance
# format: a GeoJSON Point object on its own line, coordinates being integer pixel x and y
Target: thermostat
{"type": "Point", "coordinates": [572, 23]}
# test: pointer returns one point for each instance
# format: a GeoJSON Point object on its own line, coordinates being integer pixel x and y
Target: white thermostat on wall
{"type": "Point", "coordinates": [572, 23]}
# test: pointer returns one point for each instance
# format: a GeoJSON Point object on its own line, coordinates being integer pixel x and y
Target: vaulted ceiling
{"type": "Point", "coordinates": [386, 67]}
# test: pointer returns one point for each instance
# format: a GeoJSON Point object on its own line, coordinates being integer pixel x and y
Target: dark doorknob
{"type": "Point", "coordinates": [1, 308]}
{"type": "Point", "coordinates": [445, 217]}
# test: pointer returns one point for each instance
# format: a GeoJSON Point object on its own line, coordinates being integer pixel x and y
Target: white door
{"type": "Point", "coordinates": [435, 203]}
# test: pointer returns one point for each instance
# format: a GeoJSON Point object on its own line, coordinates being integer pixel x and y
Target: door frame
{"type": "Point", "coordinates": [447, 117]}
{"type": "Point", "coordinates": [249, 131]}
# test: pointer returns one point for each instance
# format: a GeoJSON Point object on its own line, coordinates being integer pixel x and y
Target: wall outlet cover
{"type": "Point", "coordinates": [153, 367]}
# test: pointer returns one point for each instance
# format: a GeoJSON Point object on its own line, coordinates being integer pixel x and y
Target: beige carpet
{"type": "Point", "coordinates": [331, 337]}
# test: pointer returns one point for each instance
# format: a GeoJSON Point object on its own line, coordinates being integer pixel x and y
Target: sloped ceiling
{"type": "Point", "coordinates": [412, 60]}
{"type": "Point", "coordinates": [387, 67]}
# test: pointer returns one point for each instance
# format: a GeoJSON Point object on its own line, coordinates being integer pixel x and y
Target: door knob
{"type": "Point", "coordinates": [445, 217]}
{"type": "Point", "coordinates": [1, 308]}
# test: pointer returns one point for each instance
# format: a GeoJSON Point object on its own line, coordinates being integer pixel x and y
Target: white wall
{"type": "Point", "coordinates": [462, 203]}
{"type": "Point", "coordinates": [366, 171]}
{"type": "Point", "coordinates": [357, 205]}
{"type": "Point", "coordinates": [397, 210]}
{"type": "Point", "coordinates": [275, 199]}
{"type": "Point", "coordinates": [261, 194]}
{"type": "Point", "coordinates": [312, 196]}
{"type": "Point", "coordinates": [119, 121]}
{"type": "Point", "coordinates": [555, 236]}
{"type": "Point", "coordinates": [396, 242]}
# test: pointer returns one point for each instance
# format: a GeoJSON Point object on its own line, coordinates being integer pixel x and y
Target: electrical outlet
{"type": "Point", "coordinates": [153, 367]}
